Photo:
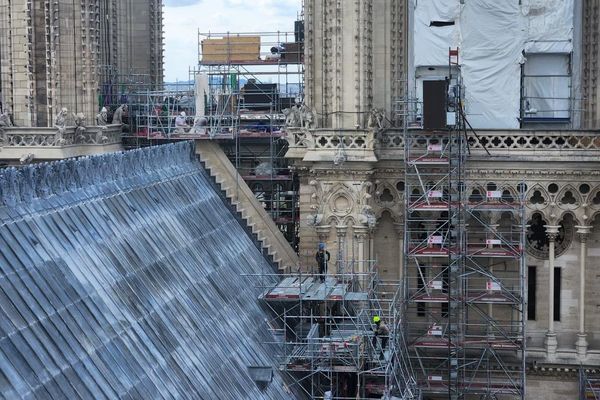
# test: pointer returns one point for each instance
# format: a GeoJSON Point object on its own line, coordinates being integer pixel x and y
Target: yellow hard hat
{"type": "Point", "coordinates": [376, 319]}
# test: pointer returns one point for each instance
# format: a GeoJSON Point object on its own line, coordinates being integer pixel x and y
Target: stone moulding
{"type": "Point", "coordinates": [51, 137]}
{"type": "Point", "coordinates": [89, 176]}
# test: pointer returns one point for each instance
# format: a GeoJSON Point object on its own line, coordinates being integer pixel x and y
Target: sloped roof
{"type": "Point", "coordinates": [121, 277]}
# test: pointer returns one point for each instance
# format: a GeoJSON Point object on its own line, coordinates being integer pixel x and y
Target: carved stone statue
{"type": "Point", "coordinates": [340, 156]}
{"type": "Point", "coordinates": [376, 118]}
{"type": "Point", "coordinates": [60, 123]}
{"type": "Point", "coordinates": [26, 158]}
{"type": "Point", "coordinates": [5, 120]}
{"type": "Point", "coordinates": [314, 219]}
{"type": "Point", "coordinates": [367, 217]}
{"type": "Point", "coordinates": [80, 126]}
{"type": "Point", "coordinates": [80, 121]}
{"type": "Point", "coordinates": [306, 116]}
{"type": "Point", "coordinates": [118, 117]}
{"type": "Point", "coordinates": [199, 127]}
{"type": "Point", "coordinates": [292, 117]}
{"type": "Point", "coordinates": [102, 117]}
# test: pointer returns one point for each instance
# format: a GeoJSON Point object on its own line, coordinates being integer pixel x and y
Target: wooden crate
{"type": "Point", "coordinates": [231, 49]}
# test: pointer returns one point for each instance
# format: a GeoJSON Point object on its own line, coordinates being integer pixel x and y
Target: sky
{"type": "Point", "coordinates": [184, 18]}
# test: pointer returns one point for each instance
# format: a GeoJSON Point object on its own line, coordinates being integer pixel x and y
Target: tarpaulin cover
{"type": "Point", "coordinates": [546, 85]}
{"type": "Point", "coordinates": [549, 25]}
{"type": "Point", "coordinates": [432, 42]}
{"type": "Point", "coordinates": [121, 277]}
{"type": "Point", "coordinates": [491, 50]}
{"type": "Point", "coordinates": [492, 37]}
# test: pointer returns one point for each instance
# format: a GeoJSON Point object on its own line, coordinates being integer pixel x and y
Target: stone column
{"type": "Point", "coordinates": [361, 233]}
{"type": "Point", "coordinates": [371, 245]}
{"type": "Point", "coordinates": [399, 227]}
{"type": "Point", "coordinates": [582, 345]}
{"type": "Point", "coordinates": [551, 342]}
{"type": "Point", "coordinates": [341, 259]}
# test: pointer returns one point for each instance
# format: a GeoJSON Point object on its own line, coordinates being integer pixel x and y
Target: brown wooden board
{"type": "Point", "coordinates": [231, 49]}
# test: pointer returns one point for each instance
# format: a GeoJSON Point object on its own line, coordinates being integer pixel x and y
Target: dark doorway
{"type": "Point", "coordinates": [434, 104]}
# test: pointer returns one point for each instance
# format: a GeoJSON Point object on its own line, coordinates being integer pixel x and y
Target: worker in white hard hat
{"type": "Point", "coordinates": [181, 124]}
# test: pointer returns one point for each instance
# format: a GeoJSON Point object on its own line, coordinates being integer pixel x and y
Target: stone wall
{"type": "Point", "coordinates": [348, 203]}
{"type": "Point", "coordinates": [52, 52]}
{"type": "Point", "coordinates": [355, 62]}
{"type": "Point", "coordinates": [591, 60]}
{"type": "Point", "coordinates": [139, 39]}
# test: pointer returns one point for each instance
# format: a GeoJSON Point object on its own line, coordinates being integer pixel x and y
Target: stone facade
{"type": "Point", "coordinates": [591, 59]}
{"type": "Point", "coordinates": [51, 53]}
{"type": "Point", "coordinates": [352, 176]}
{"type": "Point", "coordinates": [134, 44]}
{"type": "Point", "coordinates": [355, 57]}
{"type": "Point", "coordinates": [356, 208]}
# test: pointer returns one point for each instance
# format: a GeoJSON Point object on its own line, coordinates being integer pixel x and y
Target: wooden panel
{"type": "Point", "coordinates": [231, 49]}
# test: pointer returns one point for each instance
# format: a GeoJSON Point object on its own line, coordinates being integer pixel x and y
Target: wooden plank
{"type": "Point", "coordinates": [231, 49]}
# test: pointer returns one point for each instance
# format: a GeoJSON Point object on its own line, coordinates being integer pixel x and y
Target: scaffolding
{"type": "Point", "coordinates": [589, 384]}
{"type": "Point", "coordinates": [249, 79]}
{"type": "Point", "coordinates": [329, 349]}
{"type": "Point", "coordinates": [237, 96]}
{"type": "Point", "coordinates": [245, 83]}
{"type": "Point", "coordinates": [464, 264]}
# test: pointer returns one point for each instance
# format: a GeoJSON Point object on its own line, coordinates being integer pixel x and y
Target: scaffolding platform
{"type": "Point", "coordinates": [310, 288]}
{"type": "Point", "coordinates": [429, 205]}
{"type": "Point", "coordinates": [428, 160]}
{"type": "Point", "coordinates": [329, 336]}
{"type": "Point", "coordinates": [435, 386]}
{"type": "Point", "coordinates": [474, 298]}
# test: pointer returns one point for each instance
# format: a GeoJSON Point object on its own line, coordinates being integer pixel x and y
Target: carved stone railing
{"type": "Point", "coordinates": [44, 137]}
{"type": "Point", "coordinates": [517, 144]}
{"type": "Point", "coordinates": [331, 144]}
{"type": "Point", "coordinates": [52, 143]}
{"type": "Point", "coordinates": [530, 142]}
{"type": "Point", "coordinates": [531, 145]}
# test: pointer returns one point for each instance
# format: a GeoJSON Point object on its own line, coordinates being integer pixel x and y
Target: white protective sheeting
{"type": "Point", "coordinates": [547, 86]}
{"type": "Point", "coordinates": [550, 25]}
{"type": "Point", "coordinates": [492, 36]}
{"type": "Point", "coordinates": [432, 42]}
{"type": "Point", "coordinates": [491, 49]}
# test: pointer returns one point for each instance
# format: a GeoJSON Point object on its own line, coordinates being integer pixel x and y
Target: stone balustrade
{"type": "Point", "coordinates": [331, 144]}
{"type": "Point", "coordinates": [389, 144]}
{"type": "Point", "coordinates": [51, 143]}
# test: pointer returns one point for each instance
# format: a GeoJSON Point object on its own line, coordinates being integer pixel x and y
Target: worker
{"type": "Point", "coordinates": [380, 331]}
{"type": "Point", "coordinates": [322, 257]}
{"type": "Point", "coordinates": [181, 123]}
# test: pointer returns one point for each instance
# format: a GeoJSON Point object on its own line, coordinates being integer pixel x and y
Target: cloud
{"type": "Point", "coordinates": [180, 3]}
{"type": "Point", "coordinates": [183, 19]}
